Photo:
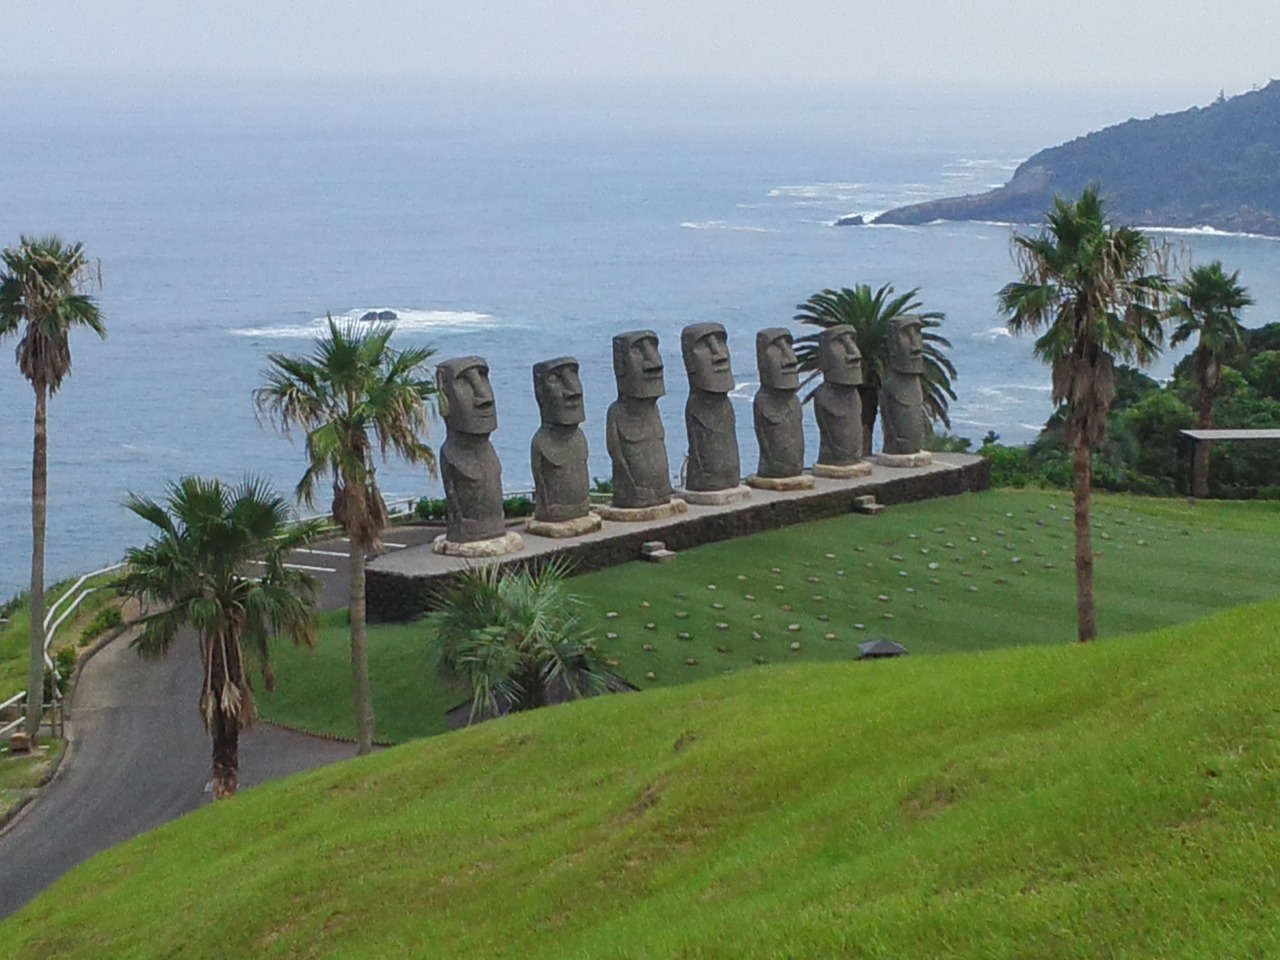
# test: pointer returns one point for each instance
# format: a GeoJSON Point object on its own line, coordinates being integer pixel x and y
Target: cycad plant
{"type": "Point", "coordinates": [869, 314]}
{"type": "Point", "coordinates": [514, 640]}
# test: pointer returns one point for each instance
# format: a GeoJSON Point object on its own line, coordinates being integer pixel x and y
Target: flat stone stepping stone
{"type": "Point", "coordinates": [757, 616]}
{"type": "Point", "coordinates": [902, 573]}
{"type": "Point", "coordinates": [794, 645]}
{"type": "Point", "coordinates": [722, 649]}
{"type": "Point", "coordinates": [721, 625]}
{"type": "Point", "coordinates": [973, 539]}
{"type": "Point", "coordinates": [887, 616]}
{"type": "Point", "coordinates": [924, 551]}
{"type": "Point", "coordinates": [741, 577]}
{"type": "Point", "coordinates": [949, 545]}
{"type": "Point", "coordinates": [690, 661]}
{"type": "Point", "coordinates": [939, 529]}
{"type": "Point", "coordinates": [612, 663]}
{"type": "Point", "coordinates": [611, 615]}
{"type": "Point", "coordinates": [651, 625]}
{"type": "Point", "coordinates": [831, 556]}
{"type": "Point", "coordinates": [973, 588]}
{"type": "Point", "coordinates": [679, 596]}
{"type": "Point", "coordinates": [896, 558]}
{"type": "Point", "coordinates": [830, 636]}
{"type": "Point", "coordinates": [912, 536]}
{"type": "Point", "coordinates": [860, 549]}
{"type": "Point", "coordinates": [748, 597]}
{"type": "Point", "coordinates": [934, 565]}
{"type": "Point", "coordinates": [644, 604]}
{"type": "Point", "coordinates": [839, 573]}
{"type": "Point", "coordinates": [647, 648]}
{"type": "Point", "coordinates": [779, 587]}
{"type": "Point", "coordinates": [823, 617]}
{"type": "Point", "coordinates": [711, 586]}
{"type": "Point", "coordinates": [682, 635]}
{"type": "Point", "coordinates": [755, 635]}
{"type": "Point", "coordinates": [911, 589]}
{"type": "Point", "coordinates": [814, 579]}
{"type": "Point", "coordinates": [775, 569]}
{"type": "Point", "coordinates": [883, 598]}
{"type": "Point", "coordinates": [611, 636]}
{"type": "Point", "coordinates": [717, 606]}
{"type": "Point", "coordinates": [935, 581]}
{"type": "Point", "coordinates": [793, 627]}
{"type": "Point", "coordinates": [870, 565]}
{"type": "Point", "coordinates": [761, 659]}
{"type": "Point", "coordinates": [682, 614]}
{"type": "Point", "coordinates": [966, 573]}
{"type": "Point", "coordinates": [859, 626]}
{"type": "Point", "coordinates": [651, 675]}
{"type": "Point", "coordinates": [818, 598]}
{"type": "Point", "coordinates": [785, 608]}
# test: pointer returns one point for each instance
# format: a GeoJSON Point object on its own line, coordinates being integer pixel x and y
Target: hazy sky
{"type": "Point", "coordinates": [1185, 48]}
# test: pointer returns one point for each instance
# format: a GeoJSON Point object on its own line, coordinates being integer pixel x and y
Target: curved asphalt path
{"type": "Point", "coordinates": [140, 757]}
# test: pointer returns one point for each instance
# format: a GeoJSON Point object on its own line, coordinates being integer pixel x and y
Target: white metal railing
{"type": "Point", "coordinates": [76, 595]}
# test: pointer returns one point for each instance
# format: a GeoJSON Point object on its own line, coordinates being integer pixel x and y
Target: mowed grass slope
{"type": "Point", "coordinates": [972, 572]}
{"type": "Point", "coordinates": [1117, 799]}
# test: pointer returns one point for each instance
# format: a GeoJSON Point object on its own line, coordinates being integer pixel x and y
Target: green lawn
{"type": "Point", "coordinates": [1003, 577]}
{"type": "Point", "coordinates": [1117, 799]}
{"type": "Point", "coordinates": [20, 774]}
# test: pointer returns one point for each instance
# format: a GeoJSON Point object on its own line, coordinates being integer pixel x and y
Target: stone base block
{"type": "Point", "coordinates": [844, 471]}
{"type": "Point", "coordinates": [801, 482]}
{"type": "Point", "coordinates": [921, 459]}
{"type": "Point", "coordinates": [558, 529]}
{"type": "Point", "coordinates": [715, 498]}
{"type": "Point", "coordinates": [19, 744]}
{"type": "Point", "coordinates": [659, 511]}
{"type": "Point", "coordinates": [479, 549]}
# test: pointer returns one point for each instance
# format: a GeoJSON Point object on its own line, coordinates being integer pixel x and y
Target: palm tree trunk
{"type": "Point", "coordinates": [226, 754]}
{"type": "Point", "coordinates": [39, 508]}
{"type": "Point", "coordinates": [1200, 461]}
{"type": "Point", "coordinates": [360, 649]}
{"type": "Point", "coordinates": [1082, 468]}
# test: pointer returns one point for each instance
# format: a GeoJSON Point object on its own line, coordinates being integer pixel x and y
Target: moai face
{"type": "Point", "coordinates": [906, 345]}
{"type": "Point", "coordinates": [839, 357]}
{"type": "Point", "coordinates": [776, 359]}
{"type": "Point", "coordinates": [637, 366]}
{"type": "Point", "coordinates": [706, 357]}
{"type": "Point", "coordinates": [558, 389]}
{"type": "Point", "coordinates": [468, 405]}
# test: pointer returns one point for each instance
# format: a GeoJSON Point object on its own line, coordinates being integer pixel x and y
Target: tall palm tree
{"type": "Point", "coordinates": [1207, 302]}
{"type": "Point", "coordinates": [216, 563]}
{"type": "Point", "coordinates": [514, 641]}
{"type": "Point", "coordinates": [42, 295]}
{"type": "Point", "coordinates": [353, 394]}
{"type": "Point", "coordinates": [869, 315]}
{"type": "Point", "coordinates": [1094, 292]}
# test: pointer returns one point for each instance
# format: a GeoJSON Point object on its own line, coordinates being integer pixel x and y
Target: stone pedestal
{"type": "Point", "coordinates": [800, 482]}
{"type": "Point", "coordinates": [844, 471]}
{"type": "Point", "coordinates": [558, 529]}
{"type": "Point", "coordinates": [659, 511]}
{"type": "Point", "coordinates": [19, 744]}
{"type": "Point", "coordinates": [715, 498]}
{"type": "Point", "coordinates": [921, 459]}
{"type": "Point", "coordinates": [510, 542]}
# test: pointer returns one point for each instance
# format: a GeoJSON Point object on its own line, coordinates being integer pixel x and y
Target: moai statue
{"type": "Point", "coordinates": [902, 397]}
{"type": "Point", "coordinates": [837, 406]}
{"type": "Point", "coordinates": [469, 465]}
{"type": "Point", "coordinates": [558, 454]}
{"type": "Point", "coordinates": [713, 473]}
{"type": "Point", "coordinates": [634, 434]}
{"type": "Point", "coordinates": [776, 412]}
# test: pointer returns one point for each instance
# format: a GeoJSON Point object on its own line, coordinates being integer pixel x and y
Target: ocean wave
{"type": "Point", "coordinates": [992, 333]}
{"type": "Point", "coordinates": [817, 191]}
{"type": "Point", "coordinates": [723, 225]}
{"type": "Point", "coordinates": [407, 320]}
{"type": "Point", "coordinates": [1206, 231]}
{"type": "Point", "coordinates": [743, 390]}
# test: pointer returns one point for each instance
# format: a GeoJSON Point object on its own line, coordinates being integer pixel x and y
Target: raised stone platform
{"type": "Point", "coordinates": [406, 584]}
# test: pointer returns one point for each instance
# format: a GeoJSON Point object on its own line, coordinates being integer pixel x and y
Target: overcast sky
{"type": "Point", "coordinates": [1185, 49]}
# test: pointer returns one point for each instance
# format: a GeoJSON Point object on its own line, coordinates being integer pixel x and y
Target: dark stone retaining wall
{"type": "Point", "coordinates": [399, 597]}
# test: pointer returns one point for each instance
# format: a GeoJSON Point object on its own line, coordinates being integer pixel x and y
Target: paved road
{"type": "Point", "coordinates": [140, 756]}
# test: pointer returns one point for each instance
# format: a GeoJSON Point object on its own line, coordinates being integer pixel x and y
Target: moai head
{"type": "Point", "coordinates": [839, 357]}
{"type": "Point", "coordinates": [776, 359]}
{"type": "Point", "coordinates": [906, 345]}
{"type": "Point", "coordinates": [558, 390]}
{"type": "Point", "coordinates": [706, 357]}
{"type": "Point", "coordinates": [466, 397]}
{"type": "Point", "coordinates": [637, 366]}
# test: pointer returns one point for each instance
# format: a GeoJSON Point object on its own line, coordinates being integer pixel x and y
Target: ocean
{"type": "Point", "coordinates": [517, 225]}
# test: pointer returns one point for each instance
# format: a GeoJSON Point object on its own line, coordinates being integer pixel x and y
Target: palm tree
{"type": "Point", "coordinates": [514, 641]}
{"type": "Point", "coordinates": [1207, 302]}
{"type": "Point", "coordinates": [869, 315]}
{"type": "Point", "coordinates": [353, 385]}
{"type": "Point", "coordinates": [42, 293]}
{"type": "Point", "coordinates": [1094, 292]}
{"type": "Point", "coordinates": [216, 563]}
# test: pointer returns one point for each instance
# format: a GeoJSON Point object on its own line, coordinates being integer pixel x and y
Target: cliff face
{"type": "Point", "coordinates": [1215, 166]}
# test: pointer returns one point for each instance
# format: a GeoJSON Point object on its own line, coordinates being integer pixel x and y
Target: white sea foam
{"type": "Point", "coordinates": [817, 191]}
{"type": "Point", "coordinates": [407, 320]}
{"type": "Point", "coordinates": [992, 333]}
{"type": "Point", "coordinates": [1205, 231]}
{"type": "Point", "coordinates": [723, 225]}
{"type": "Point", "coordinates": [743, 390]}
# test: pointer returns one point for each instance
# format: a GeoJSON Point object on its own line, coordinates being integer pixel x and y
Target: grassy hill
{"type": "Point", "coordinates": [1113, 800]}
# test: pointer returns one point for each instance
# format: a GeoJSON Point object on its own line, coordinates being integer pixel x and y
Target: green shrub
{"type": "Point", "coordinates": [430, 508]}
{"type": "Point", "coordinates": [108, 618]}
{"type": "Point", "coordinates": [514, 507]}
{"type": "Point", "coordinates": [1008, 465]}
{"type": "Point", "coordinates": [65, 659]}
